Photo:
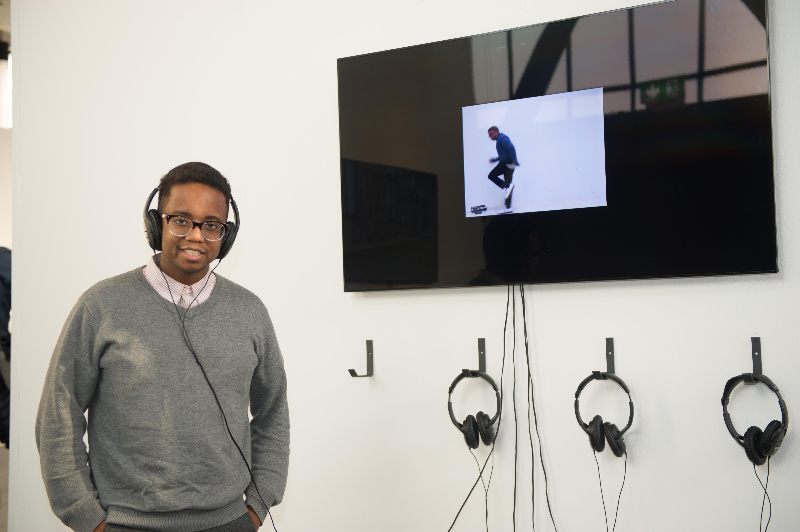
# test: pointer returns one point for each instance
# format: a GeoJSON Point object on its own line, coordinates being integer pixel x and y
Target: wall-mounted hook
{"type": "Point", "coordinates": [610, 355]}
{"type": "Point", "coordinates": [369, 363]}
{"type": "Point", "coordinates": [481, 358]}
{"type": "Point", "coordinates": [756, 343]}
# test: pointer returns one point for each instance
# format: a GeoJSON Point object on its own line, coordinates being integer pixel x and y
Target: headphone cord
{"type": "Point", "coordinates": [766, 496]}
{"type": "Point", "coordinates": [509, 292]}
{"type": "Point", "coordinates": [602, 498]}
{"type": "Point", "coordinates": [497, 433]}
{"type": "Point", "coordinates": [624, 475]}
{"type": "Point", "coordinates": [471, 490]}
{"type": "Point", "coordinates": [535, 417]}
{"type": "Point", "coordinates": [528, 399]}
{"type": "Point", "coordinates": [188, 342]}
{"type": "Point", "coordinates": [485, 490]}
{"type": "Point", "coordinates": [514, 398]}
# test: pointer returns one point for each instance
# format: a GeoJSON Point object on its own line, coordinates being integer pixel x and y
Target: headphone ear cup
{"type": "Point", "coordinates": [152, 229]}
{"type": "Point", "coordinates": [228, 239]}
{"type": "Point", "coordinates": [596, 438]}
{"type": "Point", "coordinates": [752, 446]}
{"type": "Point", "coordinates": [485, 428]}
{"type": "Point", "coordinates": [771, 438]}
{"type": "Point", "coordinates": [615, 440]}
{"type": "Point", "coordinates": [470, 430]}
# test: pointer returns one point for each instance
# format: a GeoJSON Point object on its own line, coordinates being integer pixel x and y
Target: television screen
{"type": "Point", "coordinates": [626, 145]}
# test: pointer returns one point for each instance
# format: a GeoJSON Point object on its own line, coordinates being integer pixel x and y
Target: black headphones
{"type": "Point", "coordinates": [758, 445]}
{"type": "Point", "coordinates": [597, 430]}
{"type": "Point", "coordinates": [152, 227]}
{"type": "Point", "coordinates": [481, 424]}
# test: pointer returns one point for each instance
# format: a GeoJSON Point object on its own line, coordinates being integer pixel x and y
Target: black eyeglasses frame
{"type": "Point", "coordinates": [169, 217]}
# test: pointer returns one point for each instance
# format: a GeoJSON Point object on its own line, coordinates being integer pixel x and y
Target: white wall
{"type": "Point", "coordinates": [5, 188]}
{"type": "Point", "coordinates": [110, 95]}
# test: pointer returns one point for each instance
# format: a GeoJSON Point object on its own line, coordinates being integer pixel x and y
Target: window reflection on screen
{"type": "Point", "coordinates": [695, 50]}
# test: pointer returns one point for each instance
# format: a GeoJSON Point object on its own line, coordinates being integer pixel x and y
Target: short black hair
{"type": "Point", "coordinates": [192, 173]}
{"type": "Point", "coordinates": [495, 128]}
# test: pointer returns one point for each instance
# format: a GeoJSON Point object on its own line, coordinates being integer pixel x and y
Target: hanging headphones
{"type": "Point", "coordinates": [597, 430]}
{"type": "Point", "coordinates": [152, 227]}
{"type": "Point", "coordinates": [480, 424]}
{"type": "Point", "coordinates": [758, 445]}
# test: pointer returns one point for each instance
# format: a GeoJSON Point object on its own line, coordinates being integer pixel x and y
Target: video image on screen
{"type": "Point", "coordinates": [544, 153]}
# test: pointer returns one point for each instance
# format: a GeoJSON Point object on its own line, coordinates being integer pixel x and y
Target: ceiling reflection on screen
{"type": "Point", "coordinates": [716, 51]}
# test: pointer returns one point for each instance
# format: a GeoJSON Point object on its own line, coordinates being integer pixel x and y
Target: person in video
{"type": "Point", "coordinates": [506, 163]}
{"type": "Point", "coordinates": [168, 359]}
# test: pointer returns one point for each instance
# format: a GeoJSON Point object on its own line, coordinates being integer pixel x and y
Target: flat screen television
{"type": "Point", "coordinates": [638, 144]}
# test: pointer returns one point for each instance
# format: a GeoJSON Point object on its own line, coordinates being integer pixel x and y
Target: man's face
{"type": "Point", "coordinates": [493, 134]}
{"type": "Point", "coordinates": [186, 258]}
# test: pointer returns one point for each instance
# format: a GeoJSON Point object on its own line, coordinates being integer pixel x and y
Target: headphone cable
{"type": "Point", "coordinates": [602, 498]}
{"type": "Point", "coordinates": [485, 490]}
{"type": "Point", "coordinates": [188, 342]}
{"type": "Point", "coordinates": [624, 475]}
{"type": "Point", "coordinates": [514, 400]}
{"type": "Point", "coordinates": [766, 496]}
{"type": "Point", "coordinates": [499, 419]}
{"type": "Point", "coordinates": [528, 399]}
{"type": "Point", "coordinates": [471, 490]}
{"type": "Point", "coordinates": [535, 417]}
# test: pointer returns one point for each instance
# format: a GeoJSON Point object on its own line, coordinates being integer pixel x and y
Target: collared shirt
{"type": "Point", "coordinates": [171, 290]}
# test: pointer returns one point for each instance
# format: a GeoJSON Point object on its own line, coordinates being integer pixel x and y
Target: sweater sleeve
{"type": "Point", "coordinates": [269, 428]}
{"type": "Point", "coordinates": [510, 153]}
{"type": "Point", "coordinates": [60, 423]}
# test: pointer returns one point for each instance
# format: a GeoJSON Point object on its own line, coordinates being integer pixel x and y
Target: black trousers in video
{"type": "Point", "coordinates": [505, 171]}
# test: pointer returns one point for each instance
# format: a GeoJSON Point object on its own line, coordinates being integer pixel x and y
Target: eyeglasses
{"type": "Point", "coordinates": [181, 226]}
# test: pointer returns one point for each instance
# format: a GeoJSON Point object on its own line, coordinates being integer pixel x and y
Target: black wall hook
{"type": "Point", "coordinates": [610, 355]}
{"type": "Point", "coordinates": [481, 359]}
{"type": "Point", "coordinates": [755, 341]}
{"type": "Point", "coordinates": [600, 375]}
{"type": "Point", "coordinates": [369, 363]}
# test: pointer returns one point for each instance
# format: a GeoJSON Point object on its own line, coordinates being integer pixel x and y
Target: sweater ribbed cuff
{"type": "Point", "coordinates": [87, 517]}
{"type": "Point", "coordinates": [254, 501]}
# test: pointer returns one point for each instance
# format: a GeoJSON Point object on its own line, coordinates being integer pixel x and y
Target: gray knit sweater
{"type": "Point", "coordinates": [160, 455]}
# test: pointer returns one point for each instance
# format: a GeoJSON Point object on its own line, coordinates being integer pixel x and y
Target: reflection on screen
{"type": "Point", "coordinates": [668, 54]}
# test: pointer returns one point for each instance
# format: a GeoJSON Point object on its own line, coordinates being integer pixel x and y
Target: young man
{"type": "Point", "coordinates": [506, 163]}
{"type": "Point", "coordinates": [167, 358]}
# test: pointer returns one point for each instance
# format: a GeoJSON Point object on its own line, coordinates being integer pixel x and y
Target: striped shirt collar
{"type": "Point", "coordinates": [183, 295]}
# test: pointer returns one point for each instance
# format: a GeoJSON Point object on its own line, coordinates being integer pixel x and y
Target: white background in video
{"type": "Point", "coordinates": [560, 148]}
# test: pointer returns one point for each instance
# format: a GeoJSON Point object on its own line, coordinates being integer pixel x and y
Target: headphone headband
{"type": "Point", "coordinates": [726, 396]}
{"type": "Point", "coordinates": [602, 376]}
{"type": "Point", "coordinates": [149, 201]}
{"type": "Point", "coordinates": [468, 373]}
